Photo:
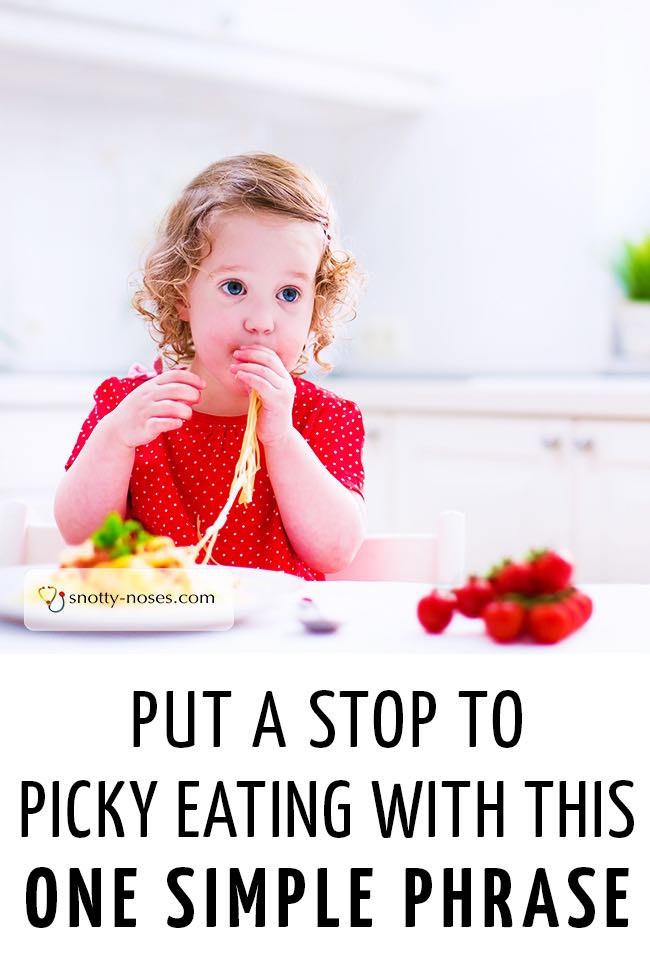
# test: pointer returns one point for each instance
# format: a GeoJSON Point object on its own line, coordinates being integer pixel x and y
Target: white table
{"type": "Point", "coordinates": [379, 617]}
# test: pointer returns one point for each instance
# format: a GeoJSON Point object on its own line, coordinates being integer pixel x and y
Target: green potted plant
{"type": "Point", "coordinates": [633, 272]}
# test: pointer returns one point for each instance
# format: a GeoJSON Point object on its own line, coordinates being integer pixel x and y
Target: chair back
{"type": "Point", "coordinates": [438, 559]}
{"type": "Point", "coordinates": [27, 543]}
{"type": "Point", "coordinates": [43, 544]}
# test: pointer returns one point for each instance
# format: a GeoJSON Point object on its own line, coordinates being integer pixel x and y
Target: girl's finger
{"type": "Point", "coordinates": [260, 385]}
{"type": "Point", "coordinates": [158, 424]}
{"type": "Point", "coordinates": [252, 368]}
{"type": "Point", "coordinates": [259, 354]}
{"type": "Point", "coordinates": [179, 376]}
{"type": "Point", "coordinates": [166, 408]}
{"type": "Point", "coordinates": [176, 391]}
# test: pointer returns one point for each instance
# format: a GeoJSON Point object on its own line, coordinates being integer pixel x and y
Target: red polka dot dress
{"type": "Point", "coordinates": [187, 473]}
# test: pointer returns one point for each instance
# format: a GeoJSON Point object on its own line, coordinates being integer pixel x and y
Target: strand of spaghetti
{"type": "Point", "coordinates": [243, 480]}
{"type": "Point", "coordinates": [209, 539]}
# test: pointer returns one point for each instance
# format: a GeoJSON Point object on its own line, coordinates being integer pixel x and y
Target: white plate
{"type": "Point", "coordinates": [255, 592]}
{"type": "Point", "coordinates": [260, 590]}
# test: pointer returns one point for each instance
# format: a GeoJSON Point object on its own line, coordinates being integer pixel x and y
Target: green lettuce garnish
{"type": "Point", "coordinates": [119, 537]}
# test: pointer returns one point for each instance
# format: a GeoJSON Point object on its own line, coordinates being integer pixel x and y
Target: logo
{"type": "Point", "coordinates": [49, 595]}
{"type": "Point", "coordinates": [125, 599]}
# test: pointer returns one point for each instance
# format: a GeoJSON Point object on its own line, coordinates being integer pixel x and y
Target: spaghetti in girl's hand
{"type": "Point", "coordinates": [262, 369]}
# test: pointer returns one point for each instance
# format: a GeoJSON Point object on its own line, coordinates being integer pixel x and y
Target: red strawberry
{"type": "Point", "coordinates": [549, 622]}
{"type": "Point", "coordinates": [436, 610]}
{"type": "Point", "coordinates": [551, 573]}
{"type": "Point", "coordinates": [504, 620]}
{"type": "Point", "coordinates": [511, 576]}
{"type": "Point", "coordinates": [584, 602]}
{"type": "Point", "coordinates": [474, 596]}
{"type": "Point", "coordinates": [574, 609]}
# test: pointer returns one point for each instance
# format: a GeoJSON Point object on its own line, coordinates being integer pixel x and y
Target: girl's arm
{"type": "Point", "coordinates": [325, 521]}
{"type": "Point", "coordinates": [98, 481]}
{"type": "Point", "coordinates": [96, 484]}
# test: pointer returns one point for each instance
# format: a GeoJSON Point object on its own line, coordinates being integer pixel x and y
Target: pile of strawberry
{"type": "Point", "coordinates": [531, 599]}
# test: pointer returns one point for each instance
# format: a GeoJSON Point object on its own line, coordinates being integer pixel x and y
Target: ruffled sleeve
{"type": "Point", "coordinates": [336, 434]}
{"type": "Point", "coordinates": [107, 396]}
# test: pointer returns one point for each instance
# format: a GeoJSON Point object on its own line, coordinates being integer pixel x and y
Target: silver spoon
{"type": "Point", "coordinates": [313, 619]}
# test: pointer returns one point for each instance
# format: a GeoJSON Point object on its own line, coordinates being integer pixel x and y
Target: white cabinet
{"type": "Point", "coordinates": [505, 474]}
{"type": "Point", "coordinates": [508, 476]}
{"type": "Point", "coordinates": [522, 482]}
{"type": "Point", "coordinates": [357, 55]}
{"type": "Point", "coordinates": [611, 499]}
{"type": "Point", "coordinates": [34, 446]}
{"type": "Point", "coordinates": [380, 487]}
{"type": "Point", "coordinates": [367, 31]}
{"type": "Point", "coordinates": [190, 17]}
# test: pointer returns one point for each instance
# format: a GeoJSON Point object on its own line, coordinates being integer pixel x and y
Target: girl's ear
{"type": "Point", "coordinates": [181, 302]}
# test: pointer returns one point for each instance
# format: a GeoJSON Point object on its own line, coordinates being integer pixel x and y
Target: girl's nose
{"type": "Point", "coordinates": [258, 315]}
{"type": "Point", "coordinates": [258, 329]}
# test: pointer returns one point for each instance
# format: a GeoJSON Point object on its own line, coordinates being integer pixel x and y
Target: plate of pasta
{"type": "Point", "coordinates": [148, 561]}
{"type": "Point", "coordinates": [124, 577]}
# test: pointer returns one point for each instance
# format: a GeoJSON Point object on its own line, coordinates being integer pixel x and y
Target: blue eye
{"type": "Point", "coordinates": [290, 294]}
{"type": "Point", "coordinates": [234, 288]}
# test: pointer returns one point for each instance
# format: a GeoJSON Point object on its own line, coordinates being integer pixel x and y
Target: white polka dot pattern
{"type": "Point", "coordinates": [186, 473]}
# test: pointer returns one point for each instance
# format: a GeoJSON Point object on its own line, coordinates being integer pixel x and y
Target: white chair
{"type": "Point", "coordinates": [434, 558]}
{"type": "Point", "coordinates": [23, 542]}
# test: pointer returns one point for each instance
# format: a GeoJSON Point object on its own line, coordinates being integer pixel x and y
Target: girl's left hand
{"type": "Point", "coordinates": [261, 369]}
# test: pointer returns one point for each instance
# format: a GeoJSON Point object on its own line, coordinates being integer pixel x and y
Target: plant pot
{"type": "Point", "coordinates": [633, 327]}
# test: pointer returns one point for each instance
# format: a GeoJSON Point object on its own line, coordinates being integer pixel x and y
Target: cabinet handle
{"type": "Point", "coordinates": [551, 443]}
{"type": "Point", "coordinates": [584, 444]}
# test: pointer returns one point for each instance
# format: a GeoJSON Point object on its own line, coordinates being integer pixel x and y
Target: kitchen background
{"type": "Point", "coordinates": [487, 159]}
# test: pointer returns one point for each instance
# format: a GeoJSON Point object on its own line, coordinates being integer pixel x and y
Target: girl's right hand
{"type": "Point", "coordinates": [154, 407]}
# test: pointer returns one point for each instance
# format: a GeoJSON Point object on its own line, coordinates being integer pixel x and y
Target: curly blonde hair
{"type": "Point", "coordinates": [255, 182]}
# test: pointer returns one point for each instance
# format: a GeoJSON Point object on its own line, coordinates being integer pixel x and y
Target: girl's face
{"type": "Point", "coordinates": [255, 288]}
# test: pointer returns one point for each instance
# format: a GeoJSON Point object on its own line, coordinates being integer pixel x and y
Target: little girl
{"type": "Point", "coordinates": [241, 283]}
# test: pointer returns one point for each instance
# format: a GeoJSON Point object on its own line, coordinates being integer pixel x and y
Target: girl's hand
{"type": "Point", "coordinates": [261, 369]}
{"type": "Point", "coordinates": [156, 406]}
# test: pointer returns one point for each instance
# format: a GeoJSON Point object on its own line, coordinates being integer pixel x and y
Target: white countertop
{"type": "Point", "coordinates": [605, 397]}
{"type": "Point", "coordinates": [576, 396]}
{"type": "Point", "coordinates": [379, 617]}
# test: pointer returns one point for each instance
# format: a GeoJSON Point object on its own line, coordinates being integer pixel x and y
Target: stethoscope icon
{"type": "Point", "coordinates": [50, 600]}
